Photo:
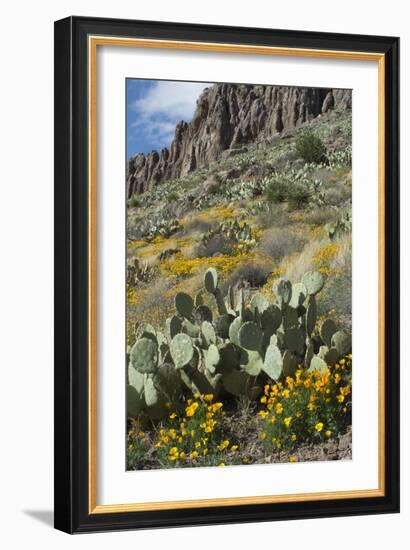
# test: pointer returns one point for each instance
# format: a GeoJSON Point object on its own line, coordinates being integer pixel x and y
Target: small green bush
{"type": "Point", "coordinates": [311, 148]}
{"type": "Point", "coordinates": [277, 191]}
{"type": "Point", "coordinates": [133, 201]}
{"type": "Point", "coordinates": [296, 194]}
{"type": "Point", "coordinates": [172, 196]}
{"type": "Point", "coordinates": [298, 197]}
{"type": "Point", "coordinates": [255, 274]}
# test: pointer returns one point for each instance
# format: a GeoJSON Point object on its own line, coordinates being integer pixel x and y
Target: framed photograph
{"type": "Point", "coordinates": [226, 274]}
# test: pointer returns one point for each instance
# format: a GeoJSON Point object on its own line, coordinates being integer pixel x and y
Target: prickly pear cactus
{"type": "Point", "coordinates": [182, 350]}
{"type": "Point", "coordinates": [235, 347]}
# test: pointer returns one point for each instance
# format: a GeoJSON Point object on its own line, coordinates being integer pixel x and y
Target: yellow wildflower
{"type": "Point", "coordinates": [191, 409]}
{"type": "Point", "coordinates": [319, 426]}
{"type": "Point", "coordinates": [288, 421]}
{"type": "Point", "coordinates": [279, 408]}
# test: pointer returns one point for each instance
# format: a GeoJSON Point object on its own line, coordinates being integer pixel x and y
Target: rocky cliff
{"type": "Point", "coordinates": [229, 116]}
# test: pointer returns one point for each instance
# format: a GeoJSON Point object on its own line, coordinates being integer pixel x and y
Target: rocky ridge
{"type": "Point", "coordinates": [227, 118]}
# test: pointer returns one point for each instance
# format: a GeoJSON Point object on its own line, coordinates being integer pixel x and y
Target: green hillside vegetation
{"type": "Point", "coordinates": [258, 218]}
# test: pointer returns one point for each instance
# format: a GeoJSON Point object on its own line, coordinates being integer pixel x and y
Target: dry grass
{"type": "Point", "coordinates": [280, 242]}
{"type": "Point", "coordinates": [294, 268]}
{"type": "Point", "coordinates": [321, 215]}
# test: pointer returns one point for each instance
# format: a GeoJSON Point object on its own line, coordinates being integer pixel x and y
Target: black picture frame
{"type": "Point", "coordinates": [72, 277]}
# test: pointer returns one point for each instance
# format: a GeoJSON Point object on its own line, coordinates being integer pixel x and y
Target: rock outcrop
{"type": "Point", "coordinates": [229, 116]}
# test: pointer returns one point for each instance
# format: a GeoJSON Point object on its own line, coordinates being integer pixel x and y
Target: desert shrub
{"type": "Point", "coordinates": [133, 201]}
{"type": "Point", "coordinates": [172, 196]}
{"type": "Point", "coordinates": [217, 244]}
{"type": "Point", "coordinates": [278, 190]}
{"type": "Point", "coordinates": [272, 215]}
{"type": "Point", "coordinates": [255, 274]}
{"type": "Point", "coordinates": [310, 147]}
{"type": "Point", "coordinates": [309, 407]}
{"type": "Point", "coordinates": [280, 242]}
{"type": "Point", "coordinates": [295, 192]}
{"type": "Point", "coordinates": [337, 194]}
{"type": "Point", "coordinates": [298, 197]}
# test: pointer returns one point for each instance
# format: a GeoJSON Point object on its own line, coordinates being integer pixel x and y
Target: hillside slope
{"type": "Point", "coordinates": [228, 117]}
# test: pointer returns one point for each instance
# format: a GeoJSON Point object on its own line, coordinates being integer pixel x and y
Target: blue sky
{"type": "Point", "coordinates": [154, 107]}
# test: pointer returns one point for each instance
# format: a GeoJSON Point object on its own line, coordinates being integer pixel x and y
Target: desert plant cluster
{"type": "Point", "coordinates": [239, 307]}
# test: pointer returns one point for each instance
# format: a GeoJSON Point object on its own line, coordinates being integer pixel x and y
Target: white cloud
{"type": "Point", "coordinates": [164, 105]}
{"type": "Point", "coordinates": [172, 99]}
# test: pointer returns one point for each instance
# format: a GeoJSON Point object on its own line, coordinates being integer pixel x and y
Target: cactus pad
{"type": "Point", "coordinates": [150, 393]}
{"type": "Point", "coordinates": [342, 342]}
{"type": "Point", "coordinates": [182, 350]}
{"type": "Point", "coordinates": [211, 280]}
{"type": "Point", "coordinates": [184, 304]}
{"type": "Point", "coordinates": [313, 281]}
{"type": "Point", "coordinates": [284, 291]}
{"type": "Point", "coordinates": [299, 294]}
{"type": "Point", "coordinates": [290, 364]}
{"type": "Point", "coordinates": [144, 355]}
{"type": "Point", "coordinates": [203, 313]}
{"type": "Point", "coordinates": [250, 336]}
{"type": "Point", "coordinates": [294, 340]}
{"type": "Point", "coordinates": [290, 318]}
{"type": "Point", "coordinates": [135, 379]}
{"type": "Point", "coordinates": [212, 358]}
{"type": "Point", "coordinates": [175, 326]}
{"type": "Point", "coordinates": [273, 363]}
{"type": "Point", "coordinates": [331, 357]}
{"type": "Point", "coordinates": [234, 330]}
{"type": "Point", "coordinates": [311, 315]}
{"type": "Point", "coordinates": [309, 354]}
{"type": "Point", "coordinates": [251, 362]}
{"type": "Point", "coordinates": [135, 404]}
{"type": "Point", "coordinates": [259, 302]}
{"type": "Point", "coordinates": [327, 330]}
{"type": "Point", "coordinates": [208, 333]}
{"type": "Point", "coordinates": [221, 325]}
{"type": "Point", "coordinates": [230, 355]}
{"type": "Point", "coordinates": [271, 319]}
{"type": "Point", "coordinates": [236, 382]}
{"type": "Point", "coordinates": [317, 364]}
